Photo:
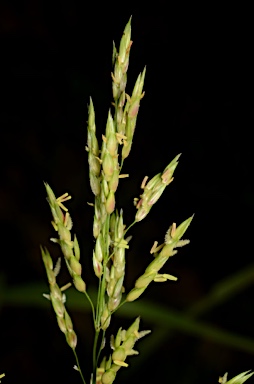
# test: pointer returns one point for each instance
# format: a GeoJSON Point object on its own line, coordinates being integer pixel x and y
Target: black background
{"type": "Point", "coordinates": [198, 101]}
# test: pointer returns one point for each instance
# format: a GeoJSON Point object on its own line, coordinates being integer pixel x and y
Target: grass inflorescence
{"type": "Point", "coordinates": [111, 236]}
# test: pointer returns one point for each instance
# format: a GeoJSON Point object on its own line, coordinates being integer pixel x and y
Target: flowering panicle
{"type": "Point", "coordinates": [109, 231]}
{"type": "Point", "coordinates": [104, 173]}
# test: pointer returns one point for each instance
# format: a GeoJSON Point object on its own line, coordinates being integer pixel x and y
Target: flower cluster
{"type": "Point", "coordinates": [110, 233]}
{"type": "Point", "coordinates": [122, 346]}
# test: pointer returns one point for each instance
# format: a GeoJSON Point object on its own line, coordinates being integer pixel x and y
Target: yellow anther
{"type": "Point", "coordinates": [62, 206]}
{"type": "Point", "coordinates": [173, 229]}
{"type": "Point", "coordinates": [169, 277]}
{"type": "Point", "coordinates": [159, 279]}
{"type": "Point", "coordinates": [121, 243]}
{"type": "Point", "coordinates": [121, 363]}
{"type": "Point", "coordinates": [135, 201]}
{"type": "Point", "coordinates": [121, 136]}
{"type": "Point", "coordinates": [154, 247]}
{"type": "Point", "coordinates": [143, 184]}
{"type": "Point", "coordinates": [54, 225]}
{"type": "Point", "coordinates": [61, 199]}
{"type": "Point", "coordinates": [128, 97]}
{"type": "Point", "coordinates": [123, 175]}
{"type": "Point", "coordinates": [100, 161]}
{"type": "Point", "coordinates": [66, 219]}
{"type": "Point", "coordinates": [66, 286]}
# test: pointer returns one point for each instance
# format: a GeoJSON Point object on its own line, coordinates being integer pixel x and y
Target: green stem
{"type": "Point", "coordinates": [129, 227]}
{"type": "Point", "coordinates": [119, 306]}
{"type": "Point", "coordinates": [97, 331]}
{"type": "Point", "coordinates": [92, 306]}
{"type": "Point", "coordinates": [101, 299]}
{"type": "Point", "coordinates": [97, 305]}
{"type": "Point", "coordinates": [79, 369]}
{"type": "Point", "coordinates": [101, 347]}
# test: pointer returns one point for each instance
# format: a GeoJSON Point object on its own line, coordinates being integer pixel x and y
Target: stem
{"type": "Point", "coordinates": [79, 369]}
{"type": "Point", "coordinates": [101, 299]}
{"type": "Point", "coordinates": [101, 293]}
{"type": "Point", "coordinates": [97, 305]}
{"type": "Point", "coordinates": [92, 306]}
{"type": "Point", "coordinates": [94, 351]}
{"type": "Point", "coordinates": [101, 347]}
{"type": "Point", "coordinates": [119, 306]}
{"type": "Point", "coordinates": [129, 227]}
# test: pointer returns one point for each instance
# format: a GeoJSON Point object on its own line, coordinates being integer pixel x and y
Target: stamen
{"type": "Point", "coordinates": [143, 184]}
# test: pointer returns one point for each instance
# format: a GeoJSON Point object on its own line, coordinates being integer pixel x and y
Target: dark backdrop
{"type": "Point", "coordinates": [199, 101]}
